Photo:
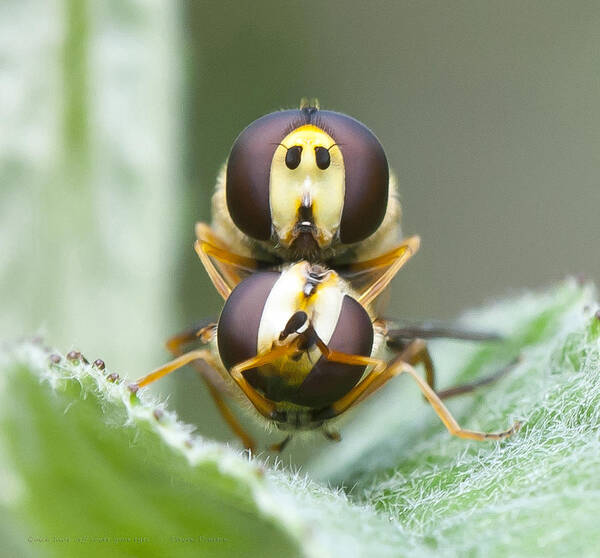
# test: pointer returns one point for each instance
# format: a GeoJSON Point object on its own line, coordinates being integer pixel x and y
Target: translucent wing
{"type": "Point", "coordinates": [398, 332]}
{"type": "Point", "coordinates": [370, 277]}
{"type": "Point", "coordinates": [225, 268]}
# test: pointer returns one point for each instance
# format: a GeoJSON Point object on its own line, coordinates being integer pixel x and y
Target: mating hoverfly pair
{"type": "Point", "coordinates": [311, 216]}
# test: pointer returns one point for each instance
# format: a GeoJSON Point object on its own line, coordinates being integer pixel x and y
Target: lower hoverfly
{"type": "Point", "coordinates": [304, 346]}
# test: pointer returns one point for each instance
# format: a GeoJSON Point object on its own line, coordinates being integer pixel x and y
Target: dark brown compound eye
{"type": "Point", "coordinates": [237, 331]}
{"type": "Point", "coordinates": [249, 169]}
{"type": "Point", "coordinates": [329, 381]}
{"type": "Point", "coordinates": [293, 157]}
{"type": "Point", "coordinates": [366, 175]}
{"type": "Point", "coordinates": [322, 157]}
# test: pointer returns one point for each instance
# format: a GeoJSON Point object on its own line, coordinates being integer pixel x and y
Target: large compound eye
{"type": "Point", "coordinates": [366, 175]}
{"type": "Point", "coordinates": [237, 331]}
{"type": "Point", "coordinates": [293, 157]}
{"type": "Point", "coordinates": [248, 172]}
{"type": "Point", "coordinates": [322, 157]}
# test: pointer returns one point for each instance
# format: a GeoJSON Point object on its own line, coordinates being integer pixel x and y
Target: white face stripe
{"type": "Point", "coordinates": [303, 327]}
{"type": "Point", "coordinates": [282, 302]}
{"type": "Point", "coordinates": [287, 297]}
{"type": "Point", "coordinates": [326, 309]}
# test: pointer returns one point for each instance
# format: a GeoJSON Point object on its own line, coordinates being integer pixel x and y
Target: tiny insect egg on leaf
{"type": "Point", "coordinates": [293, 155]}
{"type": "Point", "coordinates": [266, 307]}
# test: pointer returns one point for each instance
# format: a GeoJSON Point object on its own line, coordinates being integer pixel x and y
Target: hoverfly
{"type": "Point", "coordinates": [303, 347]}
{"type": "Point", "coordinates": [305, 184]}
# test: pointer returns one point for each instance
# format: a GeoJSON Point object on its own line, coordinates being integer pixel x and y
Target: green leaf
{"type": "Point", "coordinates": [87, 468]}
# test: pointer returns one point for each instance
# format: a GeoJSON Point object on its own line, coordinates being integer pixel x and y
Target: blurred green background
{"type": "Point", "coordinates": [115, 117]}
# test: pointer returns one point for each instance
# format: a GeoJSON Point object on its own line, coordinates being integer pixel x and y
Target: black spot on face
{"type": "Point", "coordinates": [293, 157]}
{"type": "Point", "coordinates": [322, 157]}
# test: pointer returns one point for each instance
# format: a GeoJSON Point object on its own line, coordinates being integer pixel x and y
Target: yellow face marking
{"type": "Point", "coordinates": [323, 189]}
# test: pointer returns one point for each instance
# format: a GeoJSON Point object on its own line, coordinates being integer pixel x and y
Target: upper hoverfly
{"type": "Point", "coordinates": [306, 184]}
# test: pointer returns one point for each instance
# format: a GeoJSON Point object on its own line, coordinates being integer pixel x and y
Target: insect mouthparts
{"type": "Point", "coordinates": [305, 215]}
